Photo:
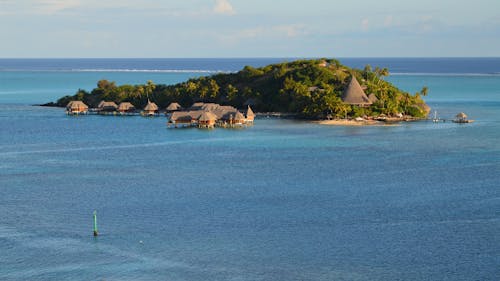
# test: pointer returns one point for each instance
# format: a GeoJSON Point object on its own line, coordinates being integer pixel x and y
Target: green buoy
{"type": "Point", "coordinates": [95, 224]}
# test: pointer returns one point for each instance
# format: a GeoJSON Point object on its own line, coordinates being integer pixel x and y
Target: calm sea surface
{"type": "Point", "coordinates": [283, 200]}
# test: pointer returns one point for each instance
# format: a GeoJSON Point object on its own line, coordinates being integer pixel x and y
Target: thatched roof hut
{"type": "Point", "coordinates": [207, 120]}
{"type": "Point", "coordinates": [107, 106]}
{"type": "Point", "coordinates": [180, 117]}
{"type": "Point", "coordinates": [238, 118]}
{"type": "Point", "coordinates": [76, 107]}
{"type": "Point", "coordinates": [174, 107]}
{"type": "Point", "coordinates": [355, 95]}
{"type": "Point", "coordinates": [150, 109]}
{"type": "Point", "coordinates": [207, 116]}
{"type": "Point", "coordinates": [461, 116]}
{"type": "Point", "coordinates": [126, 107]}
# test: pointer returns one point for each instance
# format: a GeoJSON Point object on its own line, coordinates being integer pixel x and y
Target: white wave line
{"type": "Point", "coordinates": [120, 70]}
{"type": "Point", "coordinates": [94, 148]}
{"type": "Point", "coordinates": [149, 70]}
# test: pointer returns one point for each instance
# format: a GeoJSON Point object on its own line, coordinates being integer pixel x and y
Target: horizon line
{"type": "Point", "coordinates": [270, 57]}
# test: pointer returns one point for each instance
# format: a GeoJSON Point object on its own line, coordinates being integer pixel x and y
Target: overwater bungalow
{"type": "Point", "coordinates": [181, 119]}
{"type": "Point", "coordinates": [207, 120]}
{"type": "Point", "coordinates": [238, 119]}
{"type": "Point", "coordinates": [223, 116]}
{"type": "Point", "coordinates": [76, 107]}
{"type": "Point", "coordinates": [462, 118]}
{"type": "Point", "coordinates": [355, 95]}
{"type": "Point", "coordinates": [173, 107]}
{"type": "Point", "coordinates": [105, 107]}
{"type": "Point", "coordinates": [126, 108]}
{"type": "Point", "coordinates": [150, 109]}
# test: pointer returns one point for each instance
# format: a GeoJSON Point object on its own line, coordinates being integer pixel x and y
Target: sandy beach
{"type": "Point", "coordinates": [346, 122]}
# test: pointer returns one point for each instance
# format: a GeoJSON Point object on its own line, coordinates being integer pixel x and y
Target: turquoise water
{"type": "Point", "coordinates": [37, 87]}
{"type": "Point", "coordinates": [283, 200]}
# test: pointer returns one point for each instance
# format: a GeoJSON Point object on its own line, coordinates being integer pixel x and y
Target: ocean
{"type": "Point", "coordinates": [282, 200]}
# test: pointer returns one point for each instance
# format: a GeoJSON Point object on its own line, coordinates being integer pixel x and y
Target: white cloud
{"type": "Point", "coordinates": [291, 30]}
{"type": "Point", "coordinates": [223, 7]}
{"type": "Point", "coordinates": [36, 7]}
{"type": "Point", "coordinates": [284, 32]}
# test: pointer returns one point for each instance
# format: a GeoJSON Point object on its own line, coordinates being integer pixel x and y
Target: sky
{"type": "Point", "coordinates": [250, 28]}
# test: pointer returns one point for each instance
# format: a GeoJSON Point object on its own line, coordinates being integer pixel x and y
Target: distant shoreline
{"type": "Point", "coordinates": [390, 121]}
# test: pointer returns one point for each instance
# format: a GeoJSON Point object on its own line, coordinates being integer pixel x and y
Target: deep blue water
{"type": "Point", "coordinates": [282, 200]}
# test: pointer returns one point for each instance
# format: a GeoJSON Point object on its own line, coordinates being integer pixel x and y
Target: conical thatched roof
{"type": "Point", "coordinates": [207, 116]}
{"type": "Point", "coordinates": [461, 115]}
{"type": "Point", "coordinates": [100, 104]}
{"type": "Point", "coordinates": [77, 105]}
{"type": "Point", "coordinates": [151, 106]}
{"type": "Point", "coordinates": [250, 112]}
{"type": "Point", "coordinates": [354, 94]}
{"type": "Point", "coordinates": [174, 106]}
{"type": "Point", "coordinates": [126, 106]}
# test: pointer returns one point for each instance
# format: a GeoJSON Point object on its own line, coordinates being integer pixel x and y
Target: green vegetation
{"type": "Point", "coordinates": [308, 88]}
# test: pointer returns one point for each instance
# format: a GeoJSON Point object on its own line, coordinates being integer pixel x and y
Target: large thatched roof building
{"type": "Point", "coordinates": [354, 94]}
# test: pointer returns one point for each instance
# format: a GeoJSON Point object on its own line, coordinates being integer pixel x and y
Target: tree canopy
{"type": "Point", "coordinates": [308, 88]}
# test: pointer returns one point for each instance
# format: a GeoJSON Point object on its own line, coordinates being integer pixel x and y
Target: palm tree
{"type": "Point", "coordinates": [231, 92]}
{"type": "Point", "coordinates": [384, 72]}
{"type": "Point", "coordinates": [149, 88]}
{"type": "Point", "coordinates": [139, 91]}
{"type": "Point", "coordinates": [367, 70]}
{"type": "Point", "coordinates": [424, 91]}
{"type": "Point", "coordinates": [341, 109]}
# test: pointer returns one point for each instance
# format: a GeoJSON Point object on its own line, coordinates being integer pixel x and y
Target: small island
{"type": "Point", "coordinates": [316, 89]}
